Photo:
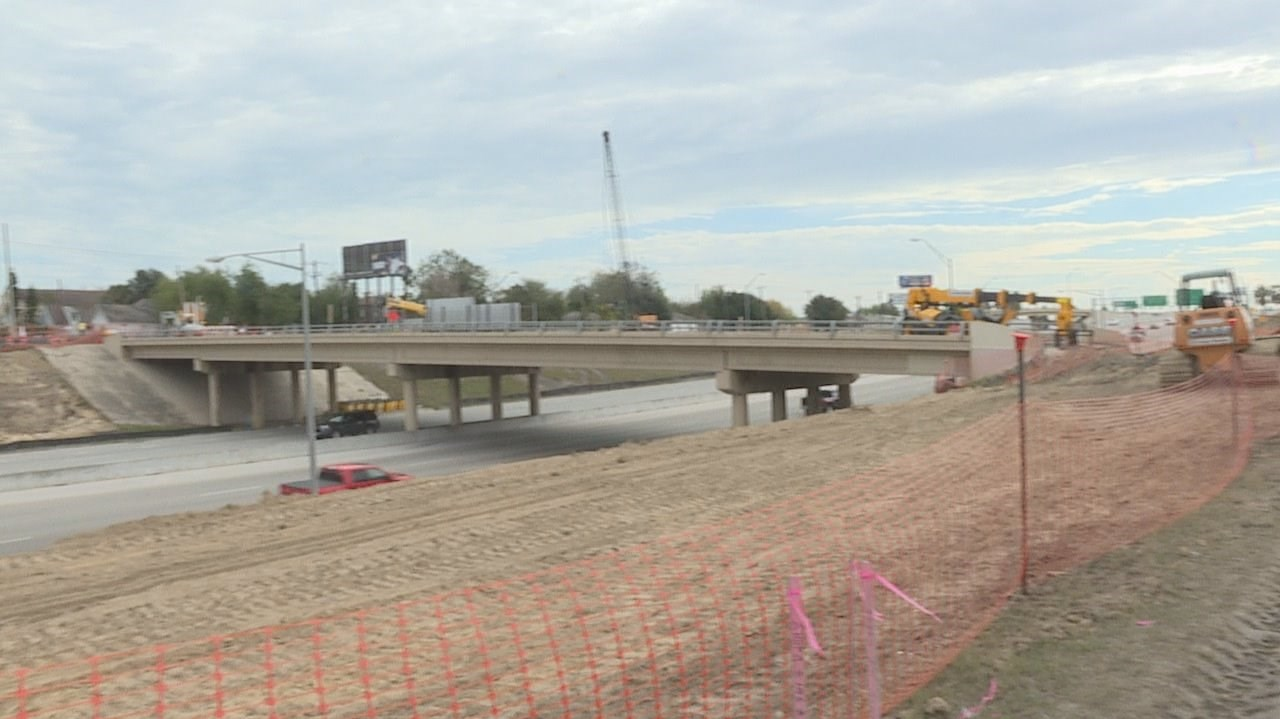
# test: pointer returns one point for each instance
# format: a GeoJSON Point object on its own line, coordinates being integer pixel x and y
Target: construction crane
{"type": "Point", "coordinates": [618, 225]}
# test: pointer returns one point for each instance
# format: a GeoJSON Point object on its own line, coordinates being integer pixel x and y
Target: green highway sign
{"type": "Point", "coordinates": [1190, 298]}
{"type": "Point", "coordinates": [1126, 304]}
{"type": "Point", "coordinates": [1154, 300]}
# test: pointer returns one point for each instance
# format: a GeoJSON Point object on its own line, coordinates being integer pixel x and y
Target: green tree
{"type": "Point", "coordinates": [778, 311]}
{"type": "Point", "coordinates": [822, 307]}
{"type": "Point", "coordinates": [32, 302]}
{"type": "Point", "coordinates": [250, 306]}
{"type": "Point", "coordinates": [531, 294]}
{"type": "Point", "coordinates": [1266, 295]}
{"type": "Point", "coordinates": [282, 305]}
{"type": "Point", "coordinates": [212, 287]}
{"type": "Point", "coordinates": [142, 286]}
{"type": "Point", "coordinates": [720, 304]}
{"type": "Point", "coordinates": [884, 308]}
{"type": "Point", "coordinates": [621, 295]}
{"type": "Point", "coordinates": [341, 296]}
{"type": "Point", "coordinates": [449, 274]}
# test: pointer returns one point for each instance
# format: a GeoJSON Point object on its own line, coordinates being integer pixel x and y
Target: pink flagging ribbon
{"type": "Point", "coordinates": [866, 572]}
{"type": "Point", "coordinates": [865, 578]}
{"type": "Point", "coordinates": [987, 698]}
{"type": "Point", "coordinates": [864, 581]}
{"type": "Point", "coordinates": [795, 598]}
{"type": "Point", "coordinates": [801, 634]}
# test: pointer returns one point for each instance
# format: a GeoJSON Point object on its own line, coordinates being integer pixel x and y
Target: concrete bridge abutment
{"type": "Point", "coordinates": [742, 383]}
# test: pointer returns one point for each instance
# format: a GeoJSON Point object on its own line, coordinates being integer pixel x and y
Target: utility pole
{"type": "Point", "coordinates": [315, 276]}
{"type": "Point", "coordinates": [11, 292]}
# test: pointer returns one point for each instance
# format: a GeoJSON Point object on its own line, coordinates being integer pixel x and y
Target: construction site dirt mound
{"type": "Point", "coordinates": [179, 578]}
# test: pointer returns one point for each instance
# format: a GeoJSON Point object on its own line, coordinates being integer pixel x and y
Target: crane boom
{"type": "Point", "coordinates": [617, 222]}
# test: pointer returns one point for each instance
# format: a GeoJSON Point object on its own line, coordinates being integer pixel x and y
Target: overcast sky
{"type": "Point", "coordinates": [1096, 147]}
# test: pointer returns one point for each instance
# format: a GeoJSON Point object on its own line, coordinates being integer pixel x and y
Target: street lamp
{"type": "Point", "coordinates": [951, 280]}
{"type": "Point", "coordinates": [306, 344]}
{"type": "Point", "coordinates": [746, 307]}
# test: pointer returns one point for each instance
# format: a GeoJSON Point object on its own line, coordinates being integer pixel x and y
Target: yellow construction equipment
{"type": "Point", "coordinates": [935, 311]}
{"type": "Point", "coordinates": [1212, 324]}
{"type": "Point", "coordinates": [401, 304]}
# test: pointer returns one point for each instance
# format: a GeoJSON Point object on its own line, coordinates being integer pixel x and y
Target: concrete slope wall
{"type": "Point", "coordinates": [172, 393]}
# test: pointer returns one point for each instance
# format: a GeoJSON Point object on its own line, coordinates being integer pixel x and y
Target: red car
{"type": "Point", "coordinates": [341, 477]}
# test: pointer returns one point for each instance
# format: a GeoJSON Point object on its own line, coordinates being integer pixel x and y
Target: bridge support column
{"type": "Point", "coordinates": [495, 395]}
{"type": "Point", "coordinates": [813, 400]}
{"type": "Point", "coordinates": [455, 400]}
{"type": "Point", "coordinates": [741, 416]}
{"type": "Point", "coordinates": [295, 396]}
{"type": "Point", "coordinates": [409, 391]}
{"type": "Point", "coordinates": [535, 393]}
{"type": "Point", "coordinates": [331, 377]}
{"type": "Point", "coordinates": [213, 379]}
{"type": "Point", "coordinates": [257, 400]}
{"type": "Point", "coordinates": [779, 404]}
{"type": "Point", "coordinates": [846, 394]}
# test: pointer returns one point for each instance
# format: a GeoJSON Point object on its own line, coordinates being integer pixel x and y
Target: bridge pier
{"type": "Point", "coordinates": [741, 383]}
{"type": "Point", "coordinates": [535, 392]}
{"type": "Point", "coordinates": [455, 401]}
{"type": "Point", "coordinates": [213, 382]}
{"type": "Point", "coordinates": [495, 394]}
{"type": "Point", "coordinates": [331, 378]}
{"type": "Point", "coordinates": [409, 389]}
{"type": "Point", "coordinates": [779, 404]}
{"type": "Point", "coordinates": [295, 396]}
{"type": "Point", "coordinates": [257, 400]}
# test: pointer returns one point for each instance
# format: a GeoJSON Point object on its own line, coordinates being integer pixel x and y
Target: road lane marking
{"type": "Point", "coordinates": [230, 491]}
{"type": "Point", "coordinates": [15, 540]}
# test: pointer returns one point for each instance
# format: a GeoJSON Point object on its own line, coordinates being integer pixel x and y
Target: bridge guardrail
{"type": "Point", "coordinates": [774, 328]}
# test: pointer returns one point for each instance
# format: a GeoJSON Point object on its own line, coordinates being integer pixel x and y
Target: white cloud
{"type": "Point", "coordinates": [170, 127]}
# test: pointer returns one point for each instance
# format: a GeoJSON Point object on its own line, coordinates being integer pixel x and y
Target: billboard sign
{"type": "Point", "coordinates": [375, 259]}
{"type": "Point", "coordinates": [915, 280]}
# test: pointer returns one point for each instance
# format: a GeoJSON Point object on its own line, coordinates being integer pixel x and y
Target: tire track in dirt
{"type": "Point", "coordinates": [216, 563]}
{"type": "Point", "coordinates": [198, 574]}
{"type": "Point", "coordinates": [1234, 674]}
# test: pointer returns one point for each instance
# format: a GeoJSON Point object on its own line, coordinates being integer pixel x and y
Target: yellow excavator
{"type": "Point", "coordinates": [931, 310]}
{"type": "Point", "coordinates": [1212, 324]}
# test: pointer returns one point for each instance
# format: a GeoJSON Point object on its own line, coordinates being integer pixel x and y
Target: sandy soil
{"type": "Point", "coordinates": [38, 404]}
{"type": "Point", "coordinates": [170, 580]}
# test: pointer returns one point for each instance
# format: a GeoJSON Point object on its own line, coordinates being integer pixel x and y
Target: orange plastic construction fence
{"type": "Point", "coordinates": [700, 624]}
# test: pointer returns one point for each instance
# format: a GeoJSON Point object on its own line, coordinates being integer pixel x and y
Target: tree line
{"type": "Point", "coordinates": [244, 297]}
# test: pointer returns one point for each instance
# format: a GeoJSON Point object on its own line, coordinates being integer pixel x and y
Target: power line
{"type": "Point", "coordinates": [88, 250]}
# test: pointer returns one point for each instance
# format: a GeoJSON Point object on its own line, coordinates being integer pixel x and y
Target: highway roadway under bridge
{"type": "Point", "coordinates": [746, 357]}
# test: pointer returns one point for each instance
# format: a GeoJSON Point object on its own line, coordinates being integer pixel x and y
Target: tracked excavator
{"type": "Point", "coordinates": [930, 310]}
{"type": "Point", "coordinates": [1211, 325]}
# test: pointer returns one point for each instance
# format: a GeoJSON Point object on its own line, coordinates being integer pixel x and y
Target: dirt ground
{"type": "Point", "coordinates": [1179, 625]}
{"type": "Point", "coordinates": [38, 404]}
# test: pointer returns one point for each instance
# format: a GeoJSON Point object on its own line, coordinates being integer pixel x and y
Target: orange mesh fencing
{"type": "Point", "coordinates": [699, 624]}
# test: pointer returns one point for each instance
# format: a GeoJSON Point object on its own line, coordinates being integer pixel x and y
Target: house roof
{"type": "Point", "coordinates": [138, 313]}
{"type": "Point", "coordinates": [83, 301]}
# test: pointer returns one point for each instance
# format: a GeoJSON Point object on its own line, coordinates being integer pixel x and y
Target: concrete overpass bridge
{"type": "Point", "coordinates": [746, 357]}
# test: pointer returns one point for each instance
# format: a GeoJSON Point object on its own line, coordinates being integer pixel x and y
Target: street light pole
{"type": "Point", "coordinates": [951, 280]}
{"type": "Point", "coordinates": [306, 346]}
